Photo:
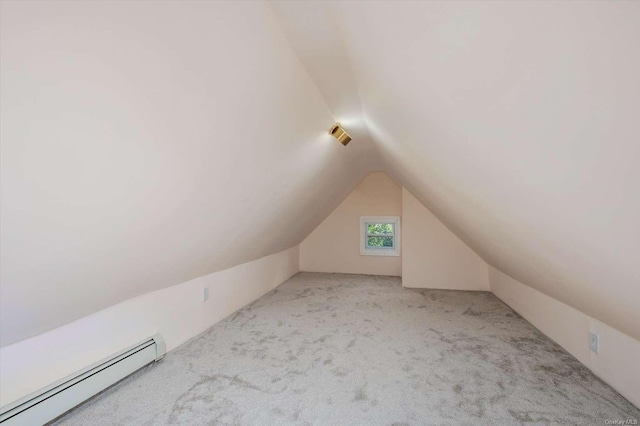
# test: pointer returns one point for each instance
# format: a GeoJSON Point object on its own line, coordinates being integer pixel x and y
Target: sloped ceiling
{"type": "Point", "coordinates": [147, 143]}
{"type": "Point", "coordinates": [516, 123]}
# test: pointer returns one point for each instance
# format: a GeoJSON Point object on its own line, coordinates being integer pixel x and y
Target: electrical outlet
{"type": "Point", "coordinates": [206, 293]}
{"type": "Point", "coordinates": [594, 342]}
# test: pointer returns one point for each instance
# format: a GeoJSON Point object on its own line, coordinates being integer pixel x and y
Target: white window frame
{"type": "Point", "coordinates": [368, 251]}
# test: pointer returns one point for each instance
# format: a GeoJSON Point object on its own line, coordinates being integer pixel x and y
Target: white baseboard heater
{"type": "Point", "coordinates": [48, 403]}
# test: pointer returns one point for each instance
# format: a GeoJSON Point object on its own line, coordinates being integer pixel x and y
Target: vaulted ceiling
{"type": "Point", "coordinates": [514, 122]}
{"type": "Point", "coordinates": [147, 143]}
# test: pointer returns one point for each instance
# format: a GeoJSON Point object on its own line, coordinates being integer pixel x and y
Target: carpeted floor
{"type": "Point", "coordinates": [334, 349]}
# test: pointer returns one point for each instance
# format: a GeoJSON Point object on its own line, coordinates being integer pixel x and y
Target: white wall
{"type": "Point", "coordinates": [334, 246]}
{"type": "Point", "coordinates": [617, 362]}
{"type": "Point", "coordinates": [144, 144]}
{"type": "Point", "coordinates": [516, 124]}
{"type": "Point", "coordinates": [178, 313]}
{"type": "Point", "coordinates": [433, 256]}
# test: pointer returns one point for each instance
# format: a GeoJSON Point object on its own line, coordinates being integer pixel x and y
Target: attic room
{"type": "Point", "coordinates": [319, 212]}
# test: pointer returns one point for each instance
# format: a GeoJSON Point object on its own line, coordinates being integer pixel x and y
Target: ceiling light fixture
{"type": "Point", "coordinates": [339, 133]}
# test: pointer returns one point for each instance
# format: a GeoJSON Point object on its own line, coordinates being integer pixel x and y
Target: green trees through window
{"type": "Point", "coordinates": [380, 234]}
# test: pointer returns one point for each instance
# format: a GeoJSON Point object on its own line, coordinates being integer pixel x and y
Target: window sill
{"type": "Point", "coordinates": [382, 253]}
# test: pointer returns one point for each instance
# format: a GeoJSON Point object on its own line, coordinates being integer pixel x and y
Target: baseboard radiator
{"type": "Point", "coordinates": [48, 403]}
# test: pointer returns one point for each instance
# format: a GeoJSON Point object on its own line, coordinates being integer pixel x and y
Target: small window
{"type": "Point", "coordinates": [380, 235]}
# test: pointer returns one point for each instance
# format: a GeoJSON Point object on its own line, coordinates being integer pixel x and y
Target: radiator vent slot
{"type": "Point", "coordinates": [48, 403]}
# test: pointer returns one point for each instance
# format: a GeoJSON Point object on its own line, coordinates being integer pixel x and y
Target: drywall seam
{"type": "Point", "coordinates": [178, 313]}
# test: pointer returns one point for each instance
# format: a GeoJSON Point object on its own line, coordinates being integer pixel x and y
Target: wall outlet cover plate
{"type": "Point", "coordinates": [594, 342]}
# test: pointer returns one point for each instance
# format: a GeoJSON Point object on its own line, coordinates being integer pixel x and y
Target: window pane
{"type": "Point", "coordinates": [380, 228]}
{"type": "Point", "coordinates": [382, 242]}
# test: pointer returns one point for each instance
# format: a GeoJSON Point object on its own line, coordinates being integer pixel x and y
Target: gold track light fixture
{"type": "Point", "coordinates": [339, 133]}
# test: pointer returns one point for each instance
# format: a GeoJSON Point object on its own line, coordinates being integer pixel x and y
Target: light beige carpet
{"type": "Point", "coordinates": [334, 349]}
